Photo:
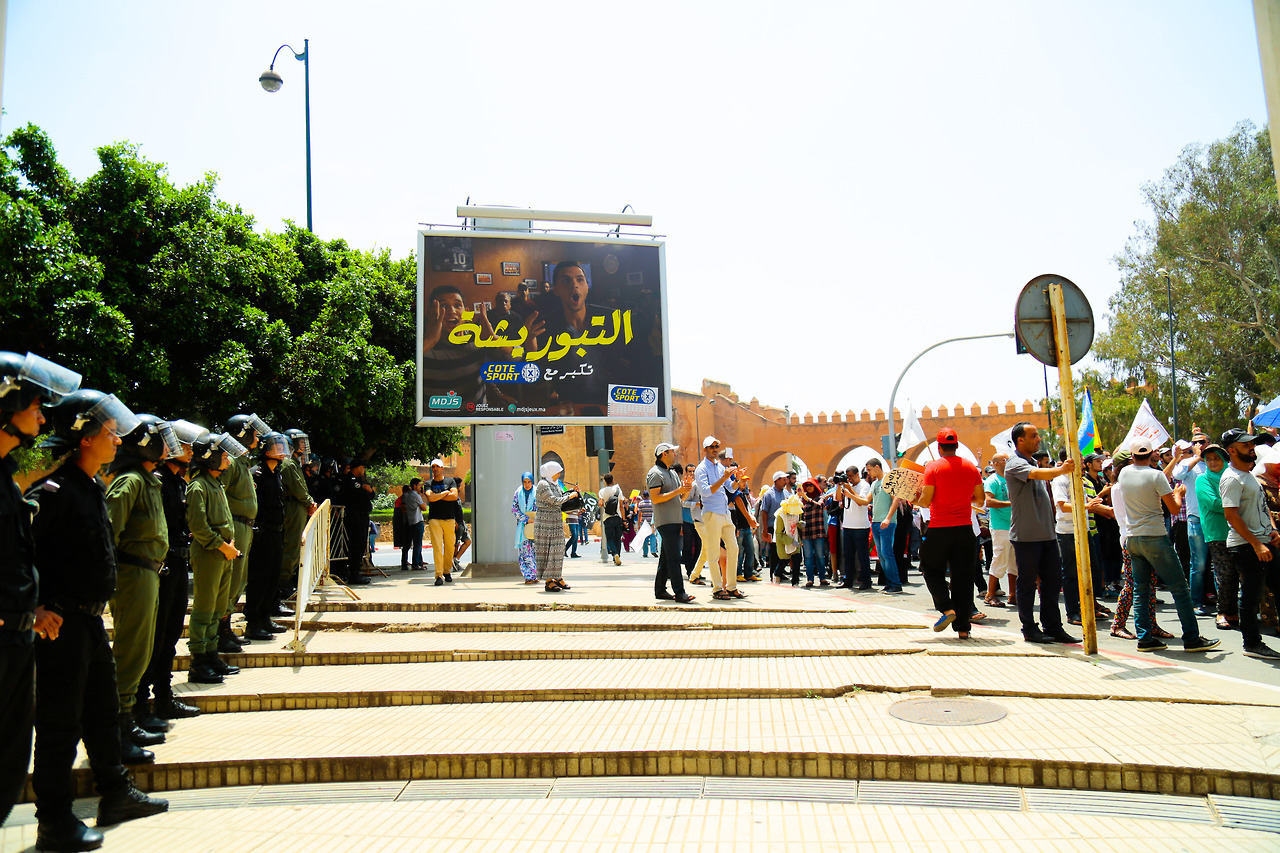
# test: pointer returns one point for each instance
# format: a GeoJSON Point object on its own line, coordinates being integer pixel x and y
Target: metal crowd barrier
{"type": "Point", "coordinates": [313, 575]}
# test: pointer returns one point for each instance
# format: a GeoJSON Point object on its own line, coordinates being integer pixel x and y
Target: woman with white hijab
{"type": "Point", "coordinates": [523, 507]}
{"type": "Point", "coordinates": [548, 541]}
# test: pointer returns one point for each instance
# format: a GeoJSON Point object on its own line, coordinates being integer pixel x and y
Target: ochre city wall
{"type": "Point", "coordinates": [761, 435]}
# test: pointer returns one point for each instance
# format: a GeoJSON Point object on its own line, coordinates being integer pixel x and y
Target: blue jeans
{"type": "Point", "coordinates": [815, 557]}
{"type": "Point", "coordinates": [650, 545]}
{"type": "Point", "coordinates": [857, 559]}
{"type": "Point", "coordinates": [1155, 553]}
{"type": "Point", "coordinates": [884, 552]}
{"type": "Point", "coordinates": [414, 534]}
{"type": "Point", "coordinates": [746, 552]}
{"type": "Point", "coordinates": [1199, 559]}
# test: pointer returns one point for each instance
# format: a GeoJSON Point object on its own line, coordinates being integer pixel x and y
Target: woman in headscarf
{"type": "Point", "coordinates": [523, 507]}
{"type": "Point", "coordinates": [548, 543]}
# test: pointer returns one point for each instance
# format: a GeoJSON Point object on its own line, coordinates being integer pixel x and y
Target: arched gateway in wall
{"type": "Point", "coordinates": [762, 436]}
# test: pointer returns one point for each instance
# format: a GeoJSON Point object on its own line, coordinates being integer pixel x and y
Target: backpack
{"type": "Point", "coordinates": [611, 505]}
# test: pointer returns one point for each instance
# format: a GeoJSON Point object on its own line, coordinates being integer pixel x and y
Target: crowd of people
{"type": "Point", "coordinates": [1195, 518]}
{"type": "Point", "coordinates": [141, 517]}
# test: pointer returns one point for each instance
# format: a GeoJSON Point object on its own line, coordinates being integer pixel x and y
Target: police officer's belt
{"type": "Point", "coordinates": [266, 525]}
{"type": "Point", "coordinates": [91, 608]}
{"type": "Point", "coordinates": [141, 562]}
{"type": "Point", "coordinates": [17, 621]}
{"type": "Point", "coordinates": [248, 522]}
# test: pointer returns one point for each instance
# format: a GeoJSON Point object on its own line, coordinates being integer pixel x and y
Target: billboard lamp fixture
{"type": "Point", "coordinates": [482, 212]}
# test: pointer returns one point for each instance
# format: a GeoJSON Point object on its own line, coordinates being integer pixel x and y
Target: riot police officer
{"type": "Point", "coordinates": [264, 559]}
{"type": "Point", "coordinates": [76, 695]}
{"type": "Point", "coordinates": [141, 540]}
{"type": "Point", "coordinates": [357, 498]}
{"type": "Point", "coordinates": [171, 605]}
{"type": "Point", "coordinates": [243, 500]}
{"type": "Point", "coordinates": [298, 507]}
{"type": "Point", "coordinates": [213, 547]}
{"type": "Point", "coordinates": [26, 382]}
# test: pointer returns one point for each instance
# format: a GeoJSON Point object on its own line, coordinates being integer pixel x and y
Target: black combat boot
{"type": "Point", "coordinates": [67, 834]}
{"type": "Point", "coordinates": [127, 803]}
{"type": "Point", "coordinates": [129, 730]}
{"type": "Point", "coordinates": [148, 721]}
{"type": "Point", "coordinates": [168, 708]}
{"type": "Point", "coordinates": [228, 642]}
{"type": "Point", "coordinates": [201, 672]}
{"type": "Point", "coordinates": [220, 666]}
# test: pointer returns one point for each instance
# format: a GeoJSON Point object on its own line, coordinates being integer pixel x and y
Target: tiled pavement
{"type": "Point", "coordinates": [486, 683]}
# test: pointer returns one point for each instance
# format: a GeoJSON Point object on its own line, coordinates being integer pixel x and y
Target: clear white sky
{"type": "Point", "coordinates": [841, 183]}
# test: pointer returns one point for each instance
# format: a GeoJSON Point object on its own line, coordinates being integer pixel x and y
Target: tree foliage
{"type": "Point", "coordinates": [1216, 229]}
{"type": "Point", "coordinates": [168, 297]}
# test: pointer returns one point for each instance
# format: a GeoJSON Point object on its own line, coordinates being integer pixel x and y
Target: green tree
{"type": "Point", "coordinates": [168, 297]}
{"type": "Point", "coordinates": [1216, 229]}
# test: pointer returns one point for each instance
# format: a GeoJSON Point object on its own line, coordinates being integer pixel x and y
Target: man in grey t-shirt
{"type": "Point", "coordinates": [1034, 540]}
{"type": "Point", "coordinates": [1146, 490]}
{"type": "Point", "coordinates": [1252, 539]}
{"type": "Point", "coordinates": [667, 490]}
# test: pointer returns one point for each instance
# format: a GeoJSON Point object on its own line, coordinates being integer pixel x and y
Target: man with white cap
{"type": "Point", "coordinates": [717, 526]}
{"type": "Point", "coordinates": [442, 502]}
{"type": "Point", "coordinates": [1146, 489]}
{"type": "Point", "coordinates": [666, 491]}
{"type": "Point", "coordinates": [769, 503]}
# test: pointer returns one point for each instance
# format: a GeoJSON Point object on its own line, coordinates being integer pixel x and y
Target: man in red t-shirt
{"type": "Point", "coordinates": [952, 486]}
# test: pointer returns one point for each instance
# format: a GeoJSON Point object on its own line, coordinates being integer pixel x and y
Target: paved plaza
{"type": "Point", "coordinates": [487, 714]}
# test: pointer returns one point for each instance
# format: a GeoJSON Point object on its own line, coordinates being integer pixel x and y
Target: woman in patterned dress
{"type": "Point", "coordinates": [523, 507]}
{"type": "Point", "coordinates": [548, 545]}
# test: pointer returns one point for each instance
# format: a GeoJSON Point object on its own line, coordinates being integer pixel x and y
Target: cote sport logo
{"type": "Point", "coordinates": [511, 372]}
{"type": "Point", "coordinates": [632, 394]}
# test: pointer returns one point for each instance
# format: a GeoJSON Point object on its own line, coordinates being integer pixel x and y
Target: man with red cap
{"type": "Point", "coordinates": [952, 485]}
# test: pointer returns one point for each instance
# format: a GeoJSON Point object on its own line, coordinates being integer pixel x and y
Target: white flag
{"type": "Point", "coordinates": [1003, 443]}
{"type": "Point", "coordinates": [912, 432]}
{"type": "Point", "coordinates": [1146, 426]}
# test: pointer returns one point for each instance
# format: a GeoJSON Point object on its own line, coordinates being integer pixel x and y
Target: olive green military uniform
{"type": "Point", "coordinates": [297, 503]}
{"type": "Point", "coordinates": [209, 519]}
{"type": "Point", "coordinates": [142, 541]}
{"type": "Point", "coordinates": [243, 501]}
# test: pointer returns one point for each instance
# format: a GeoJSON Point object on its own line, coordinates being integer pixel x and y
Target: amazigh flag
{"type": "Point", "coordinates": [1087, 436]}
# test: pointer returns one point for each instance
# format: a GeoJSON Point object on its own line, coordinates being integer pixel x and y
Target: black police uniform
{"type": "Point", "coordinates": [172, 599]}
{"type": "Point", "coordinates": [18, 592]}
{"type": "Point", "coordinates": [76, 686]}
{"type": "Point", "coordinates": [359, 503]}
{"type": "Point", "coordinates": [267, 549]}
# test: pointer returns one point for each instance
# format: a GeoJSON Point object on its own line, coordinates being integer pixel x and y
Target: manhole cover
{"type": "Point", "coordinates": [947, 712]}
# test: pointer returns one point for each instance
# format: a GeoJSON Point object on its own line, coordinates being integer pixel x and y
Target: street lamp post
{"type": "Point", "coordinates": [272, 81]}
{"type": "Point", "coordinates": [893, 438]}
{"type": "Point", "coordinates": [1173, 367]}
{"type": "Point", "coordinates": [696, 427]}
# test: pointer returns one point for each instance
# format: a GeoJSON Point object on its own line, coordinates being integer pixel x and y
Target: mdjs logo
{"type": "Point", "coordinates": [528, 372]}
{"type": "Point", "coordinates": [446, 402]}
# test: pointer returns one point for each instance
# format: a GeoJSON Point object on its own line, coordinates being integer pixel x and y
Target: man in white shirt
{"type": "Point", "coordinates": [1252, 539]}
{"type": "Point", "coordinates": [1146, 489]}
{"type": "Point", "coordinates": [855, 532]}
{"type": "Point", "coordinates": [1186, 469]}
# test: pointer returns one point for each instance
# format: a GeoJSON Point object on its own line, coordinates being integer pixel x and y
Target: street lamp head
{"type": "Point", "coordinates": [271, 81]}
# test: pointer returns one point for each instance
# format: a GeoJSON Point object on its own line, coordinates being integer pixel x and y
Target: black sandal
{"type": "Point", "coordinates": [560, 583]}
{"type": "Point", "coordinates": [550, 586]}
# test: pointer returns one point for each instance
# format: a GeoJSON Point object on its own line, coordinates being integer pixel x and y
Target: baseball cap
{"type": "Point", "coordinates": [663, 448]}
{"type": "Point", "coordinates": [779, 475]}
{"type": "Point", "coordinates": [1140, 447]}
{"type": "Point", "coordinates": [436, 463]}
{"type": "Point", "coordinates": [708, 441]}
{"type": "Point", "coordinates": [1231, 436]}
{"type": "Point", "coordinates": [1216, 448]}
{"type": "Point", "coordinates": [990, 469]}
{"type": "Point", "coordinates": [947, 435]}
{"type": "Point", "coordinates": [1121, 455]}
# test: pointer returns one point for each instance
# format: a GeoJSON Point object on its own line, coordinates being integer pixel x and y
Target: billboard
{"type": "Point", "coordinates": [536, 328]}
